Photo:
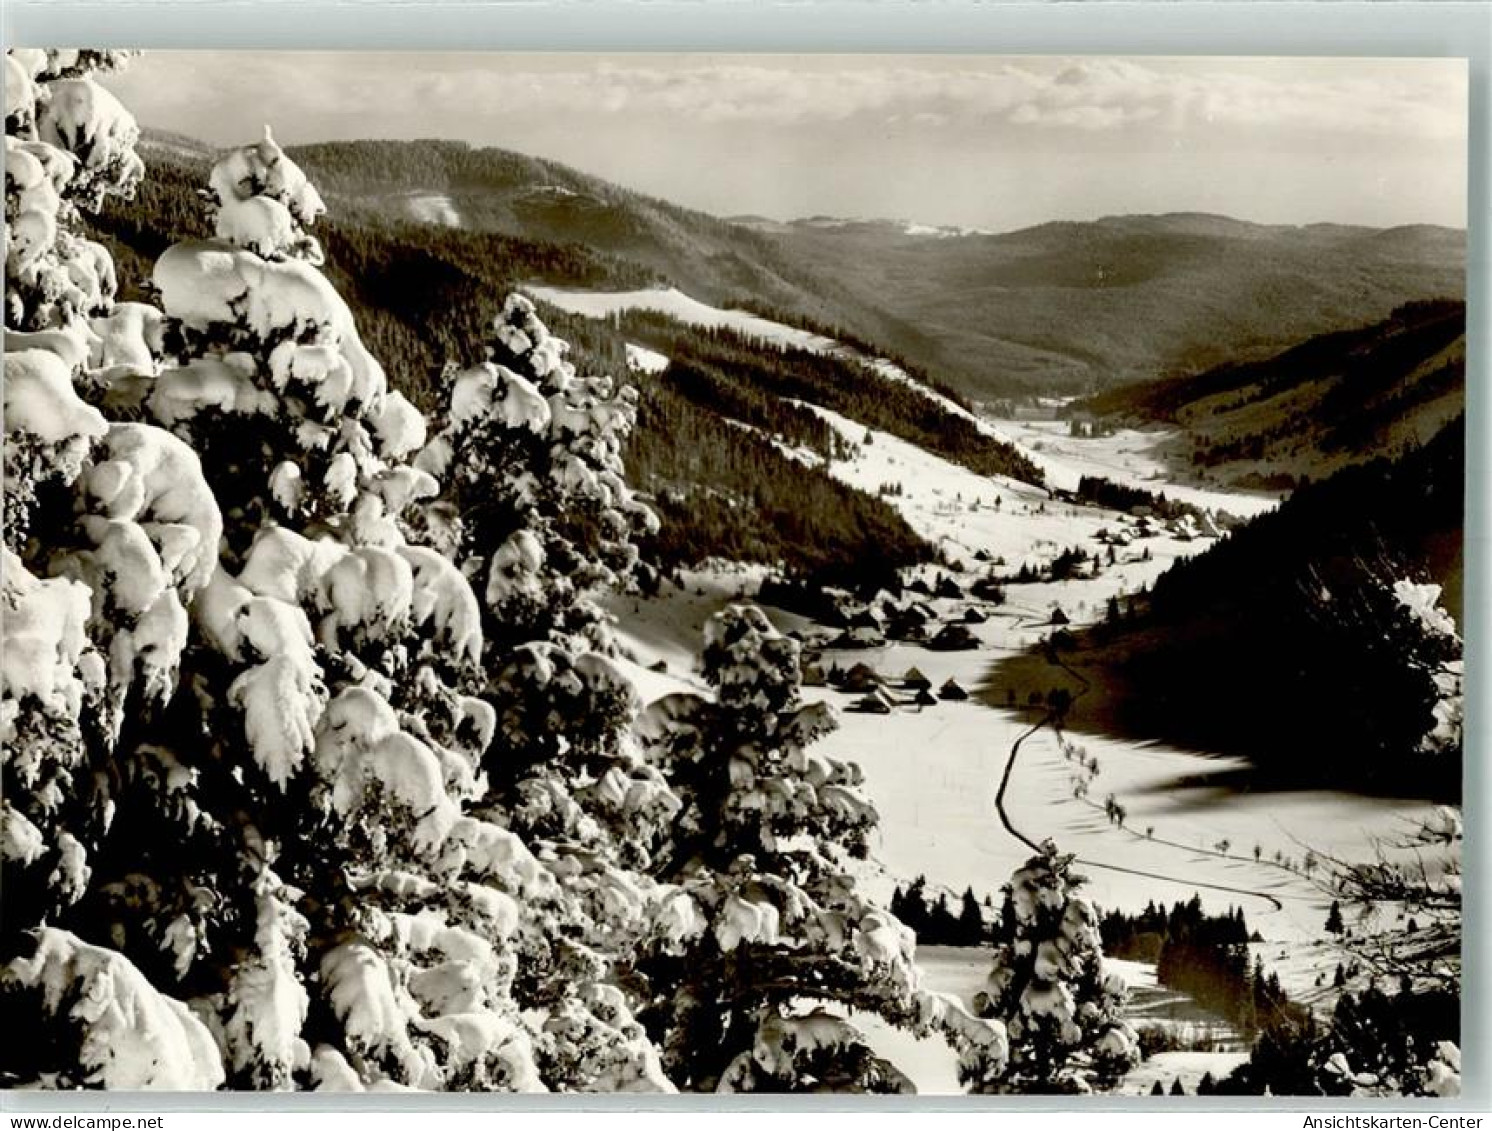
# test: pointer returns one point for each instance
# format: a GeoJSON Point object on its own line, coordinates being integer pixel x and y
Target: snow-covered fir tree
{"type": "Point", "coordinates": [537, 511]}
{"type": "Point", "coordinates": [1061, 1010]}
{"type": "Point", "coordinates": [334, 686]}
{"type": "Point", "coordinates": [111, 531]}
{"type": "Point", "coordinates": [770, 948]}
{"type": "Point", "coordinates": [246, 788]}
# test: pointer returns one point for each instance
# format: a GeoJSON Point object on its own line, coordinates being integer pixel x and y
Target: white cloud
{"type": "Point", "coordinates": [975, 141]}
{"type": "Point", "coordinates": [1424, 99]}
{"type": "Point", "coordinates": [1087, 94]}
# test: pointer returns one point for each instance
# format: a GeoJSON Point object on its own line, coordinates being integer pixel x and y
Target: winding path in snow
{"type": "Point", "coordinates": [1015, 749]}
{"type": "Point", "coordinates": [1050, 719]}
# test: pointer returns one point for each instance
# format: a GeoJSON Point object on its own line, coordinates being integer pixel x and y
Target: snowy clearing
{"type": "Point", "coordinates": [640, 359]}
{"type": "Point", "coordinates": [1130, 456]}
{"type": "Point", "coordinates": [676, 304]}
{"type": "Point", "coordinates": [433, 208]}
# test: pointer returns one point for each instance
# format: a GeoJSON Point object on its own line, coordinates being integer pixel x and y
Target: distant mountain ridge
{"type": "Point", "coordinates": [1185, 222]}
{"type": "Point", "coordinates": [1068, 305]}
{"type": "Point", "coordinates": [912, 228]}
{"type": "Point", "coordinates": [1062, 307]}
{"type": "Point", "coordinates": [1332, 400]}
{"type": "Point", "coordinates": [529, 197]}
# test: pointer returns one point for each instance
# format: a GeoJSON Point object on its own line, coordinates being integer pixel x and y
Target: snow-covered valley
{"type": "Point", "coordinates": [933, 769]}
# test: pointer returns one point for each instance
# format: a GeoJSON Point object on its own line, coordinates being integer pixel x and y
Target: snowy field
{"type": "Point", "coordinates": [1128, 455]}
{"type": "Point", "coordinates": [933, 772]}
{"type": "Point", "coordinates": [677, 305]}
{"type": "Point", "coordinates": [433, 208]}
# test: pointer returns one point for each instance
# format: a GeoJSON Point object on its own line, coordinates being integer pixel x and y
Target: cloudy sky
{"type": "Point", "coordinates": [981, 141]}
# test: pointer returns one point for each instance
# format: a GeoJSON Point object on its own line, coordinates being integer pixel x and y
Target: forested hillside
{"type": "Point", "coordinates": [1291, 641]}
{"type": "Point", "coordinates": [421, 291]}
{"type": "Point", "coordinates": [841, 384]}
{"type": "Point", "coordinates": [1332, 400]}
{"type": "Point", "coordinates": [721, 491]}
{"type": "Point", "coordinates": [417, 287]}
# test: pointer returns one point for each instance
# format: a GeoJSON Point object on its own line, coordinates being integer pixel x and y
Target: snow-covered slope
{"type": "Point", "coordinates": [1126, 456]}
{"type": "Point", "coordinates": [1130, 456]}
{"type": "Point", "coordinates": [676, 304]}
{"type": "Point", "coordinates": [640, 359]}
{"type": "Point", "coordinates": [434, 208]}
{"type": "Point", "coordinates": [962, 512]}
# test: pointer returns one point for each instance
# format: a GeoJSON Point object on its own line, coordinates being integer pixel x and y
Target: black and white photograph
{"type": "Point", "coordinates": [593, 573]}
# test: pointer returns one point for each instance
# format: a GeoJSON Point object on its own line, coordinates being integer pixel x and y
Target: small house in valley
{"type": "Point", "coordinates": [914, 680]}
{"type": "Point", "coordinates": [953, 638]}
{"type": "Point", "coordinates": [876, 702]}
{"type": "Point", "coordinates": [952, 691]}
{"type": "Point", "coordinates": [861, 677]}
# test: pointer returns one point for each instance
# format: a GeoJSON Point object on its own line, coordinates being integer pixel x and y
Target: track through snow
{"type": "Point", "coordinates": [1015, 749]}
{"type": "Point", "coordinates": [1050, 719]}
